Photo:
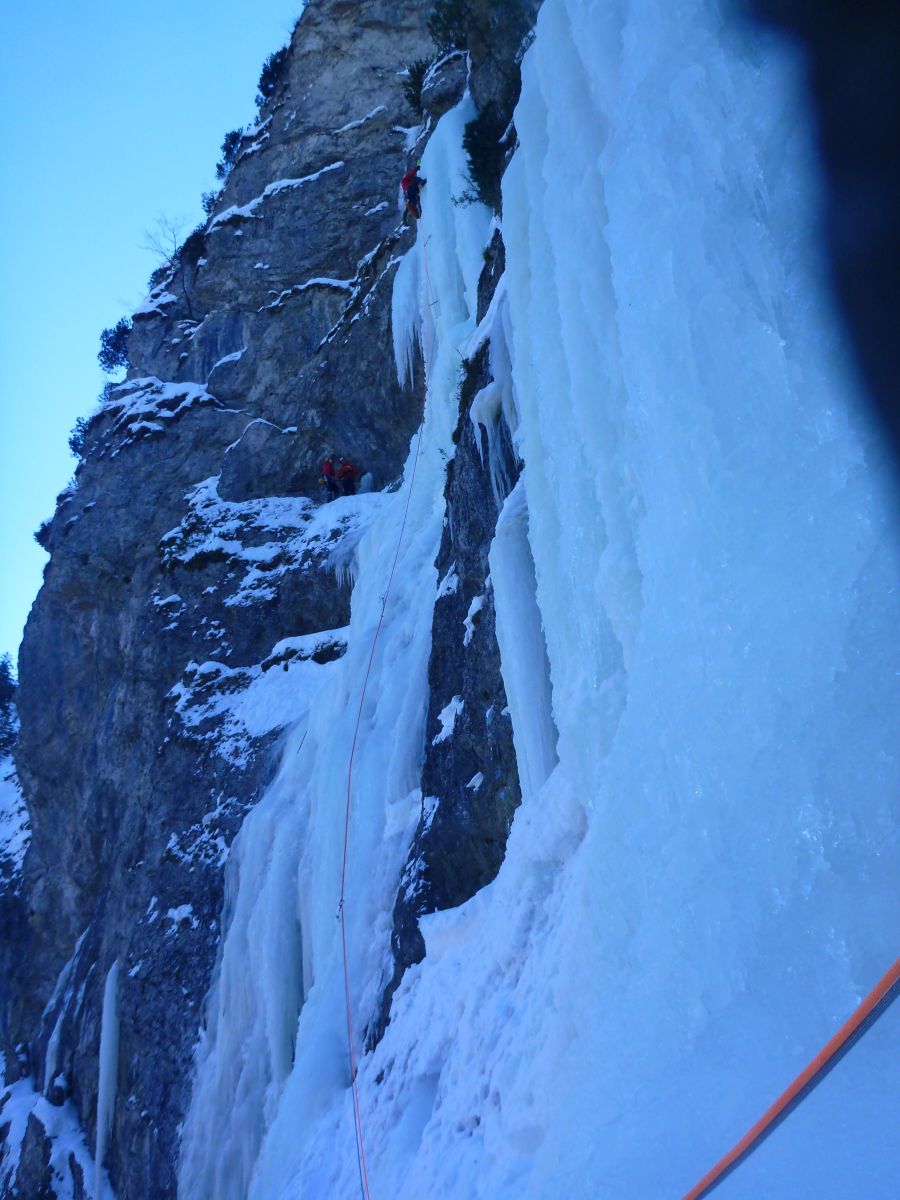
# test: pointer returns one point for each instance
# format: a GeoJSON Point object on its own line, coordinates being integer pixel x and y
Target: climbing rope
{"type": "Point", "coordinates": [874, 1005]}
{"type": "Point", "coordinates": [342, 908]}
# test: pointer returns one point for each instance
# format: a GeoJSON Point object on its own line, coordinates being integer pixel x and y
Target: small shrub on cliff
{"type": "Point", "coordinates": [486, 149]}
{"type": "Point", "coordinates": [7, 700]}
{"type": "Point", "coordinates": [76, 437]}
{"type": "Point", "coordinates": [113, 352]}
{"type": "Point", "coordinates": [230, 146]}
{"type": "Point", "coordinates": [208, 200]}
{"type": "Point", "coordinates": [412, 85]}
{"type": "Point", "coordinates": [272, 74]}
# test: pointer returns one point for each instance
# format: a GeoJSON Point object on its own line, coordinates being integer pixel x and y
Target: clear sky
{"type": "Point", "coordinates": [112, 114]}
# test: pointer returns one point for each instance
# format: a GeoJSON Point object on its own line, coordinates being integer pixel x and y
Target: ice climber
{"type": "Point", "coordinates": [328, 477]}
{"type": "Point", "coordinates": [347, 474]}
{"type": "Point", "coordinates": [412, 183]}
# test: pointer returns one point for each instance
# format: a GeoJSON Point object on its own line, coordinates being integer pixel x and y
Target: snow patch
{"type": "Point", "coordinates": [229, 358]}
{"type": "Point", "coordinates": [447, 717]}
{"type": "Point", "coordinates": [449, 585]}
{"type": "Point", "coordinates": [183, 914]}
{"type": "Point", "coordinates": [245, 212]}
{"type": "Point", "coordinates": [361, 120]}
{"type": "Point", "coordinates": [469, 622]}
{"type": "Point", "coordinates": [18, 1102]}
{"type": "Point", "coordinates": [146, 405]}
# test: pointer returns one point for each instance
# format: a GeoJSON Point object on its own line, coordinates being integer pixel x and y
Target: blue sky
{"type": "Point", "coordinates": [112, 114]}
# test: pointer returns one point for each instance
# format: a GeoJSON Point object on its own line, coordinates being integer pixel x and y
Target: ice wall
{"type": "Point", "coordinates": [700, 883]}
{"type": "Point", "coordinates": [716, 573]}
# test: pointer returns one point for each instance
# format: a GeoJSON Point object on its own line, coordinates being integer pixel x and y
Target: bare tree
{"type": "Point", "coordinates": [165, 242]}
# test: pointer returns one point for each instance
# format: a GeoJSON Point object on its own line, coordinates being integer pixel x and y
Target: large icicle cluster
{"type": "Point", "coordinates": [695, 585]}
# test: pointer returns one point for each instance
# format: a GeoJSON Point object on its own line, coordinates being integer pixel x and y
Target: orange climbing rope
{"type": "Point", "coordinates": [357, 1112]}
{"type": "Point", "coordinates": [877, 1001]}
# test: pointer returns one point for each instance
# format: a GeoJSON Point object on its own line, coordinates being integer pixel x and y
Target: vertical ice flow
{"type": "Point", "coordinates": [523, 650]}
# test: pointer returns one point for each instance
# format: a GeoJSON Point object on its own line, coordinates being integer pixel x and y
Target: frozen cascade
{"type": "Point", "coordinates": [700, 882]}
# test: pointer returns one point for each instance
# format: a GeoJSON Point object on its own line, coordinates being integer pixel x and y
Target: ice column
{"type": "Point", "coordinates": [108, 1072]}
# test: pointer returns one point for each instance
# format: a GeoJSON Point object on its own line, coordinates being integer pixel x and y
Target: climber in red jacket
{"type": "Point", "coordinates": [328, 477]}
{"type": "Point", "coordinates": [412, 184]}
{"type": "Point", "coordinates": [347, 475]}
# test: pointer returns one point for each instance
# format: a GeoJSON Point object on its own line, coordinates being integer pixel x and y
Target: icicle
{"type": "Point", "coordinates": [107, 1073]}
{"type": "Point", "coordinates": [406, 315]}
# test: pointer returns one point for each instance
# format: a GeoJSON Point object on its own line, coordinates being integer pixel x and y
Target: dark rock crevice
{"type": "Point", "coordinates": [470, 784]}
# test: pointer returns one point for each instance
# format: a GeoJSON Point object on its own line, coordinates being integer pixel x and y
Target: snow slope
{"type": "Point", "coordinates": [696, 594]}
{"type": "Point", "coordinates": [21, 1103]}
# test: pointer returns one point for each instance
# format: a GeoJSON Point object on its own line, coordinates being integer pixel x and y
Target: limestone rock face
{"type": "Point", "coordinates": [193, 546]}
{"type": "Point", "coordinates": [259, 463]}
